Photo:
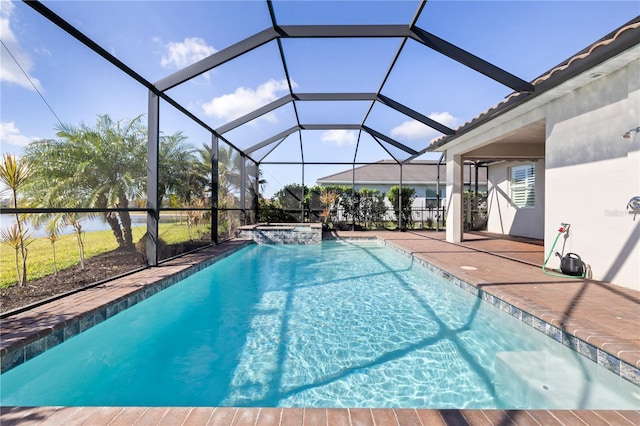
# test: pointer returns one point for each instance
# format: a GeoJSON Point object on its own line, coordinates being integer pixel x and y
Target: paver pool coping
{"type": "Point", "coordinates": [26, 336]}
{"type": "Point", "coordinates": [264, 416]}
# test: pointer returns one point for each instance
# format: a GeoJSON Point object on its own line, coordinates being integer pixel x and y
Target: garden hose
{"type": "Point", "coordinates": [561, 231]}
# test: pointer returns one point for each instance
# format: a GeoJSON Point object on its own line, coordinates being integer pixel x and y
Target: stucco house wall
{"type": "Point", "coordinates": [572, 126]}
{"type": "Point", "coordinates": [503, 217]}
{"type": "Point", "coordinates": [592, 172]}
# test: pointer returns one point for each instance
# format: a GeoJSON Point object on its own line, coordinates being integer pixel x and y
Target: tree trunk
{"type": "Point", "coordinates": [125, 219]}
{"type": "Point", "coordinates": [80, 247]}
{"type": "Point", "coordinates": [24, 263]}
{"type": "Point", "coordinates": [22, 280]}
{"type": "Point", "coordinates": [112, 220]}
{"type": "Point", "coordinates": [55, 263]}
{"type": "Point", "coordinates": [18, 266]}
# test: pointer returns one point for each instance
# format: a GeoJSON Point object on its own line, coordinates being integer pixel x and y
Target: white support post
{"type": "Point", "coordinates": [454, 197]}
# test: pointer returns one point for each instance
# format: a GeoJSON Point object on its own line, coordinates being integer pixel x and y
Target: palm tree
{"type": "Point", "coordinates": [229, 172]}
{"type": "Point", "coordinates": [15, 173]}
{"type": "Point", "coordinates": [16, 239]}
{"type": "Point", "coordinates": [202, 166]}
{"type": "Point", "coordinates": [178, 170]}
{"type": "Point", "coordinates": [55, 223]}
{"type": "Point", "coordinates": [105, 166]}
{"type": "Point", "coordinates": [72, 219]}
{"type": "Point", "coordinates": [52, 236]}
{"type": "Point", "coordinates": [102, 167]}
{"type": "Point", "coordinates": [230, 175]}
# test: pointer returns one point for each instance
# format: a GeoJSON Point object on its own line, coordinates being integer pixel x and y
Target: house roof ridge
{"type": "Point", "coordinates": [612, 37]}
{"type": "Point", "coordinates": [384, 172]}
{"type": "Point", "coordinates": [588, 52]}
{"type": "Point", "coordinates": [359, 167]}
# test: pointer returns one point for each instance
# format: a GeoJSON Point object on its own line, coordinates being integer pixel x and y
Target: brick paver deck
{"type": "Point", "coordinates": [604, 315]}
{"type": "Point", "coordinates": [225, 416]}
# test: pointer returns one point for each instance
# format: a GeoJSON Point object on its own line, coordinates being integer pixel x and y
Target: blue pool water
{"type": "Point", "coordinates": [332, 325]}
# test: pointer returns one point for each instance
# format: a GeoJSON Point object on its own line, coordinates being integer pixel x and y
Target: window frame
{"type": "Point", "coordinates": [522, 185]}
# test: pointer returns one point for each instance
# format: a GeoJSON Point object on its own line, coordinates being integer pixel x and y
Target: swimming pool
{"type": "Point", "coordinates": [330, 325]}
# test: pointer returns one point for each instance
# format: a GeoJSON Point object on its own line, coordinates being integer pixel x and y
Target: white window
{"type": "Point", "coordinates": [522, 184]}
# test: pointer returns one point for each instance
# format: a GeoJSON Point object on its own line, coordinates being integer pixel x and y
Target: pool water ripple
{"type": "Point", "coordinates": [335, 325]}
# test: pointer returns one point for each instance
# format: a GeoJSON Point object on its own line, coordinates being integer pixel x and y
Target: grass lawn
{"type": "Point", "coordinates": [40, 252]}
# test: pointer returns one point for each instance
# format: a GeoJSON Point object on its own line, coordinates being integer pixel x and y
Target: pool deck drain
{"type": "Point", "coordinates": [603, 316]}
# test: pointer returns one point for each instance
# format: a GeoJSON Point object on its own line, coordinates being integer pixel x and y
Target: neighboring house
{"type": "Point", "coordinates": [568, 152]}
{"type": "Point", "coordinates": [419, 175]}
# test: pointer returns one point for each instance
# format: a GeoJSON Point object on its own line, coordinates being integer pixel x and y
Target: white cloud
{"type": "Point", "coordinates": [9, 69]}
{"type": "Point", "coordinates": [187, 52]}
{"type": "Point", "coordinates": [412, 129]}
{"type": "Point", "coordinates": [445, 118]}
{"type": "Point", "coordinates": [245, 100]}
{"type": "Point", "coordinates": [10, 134]}
{"type": "Point", "coordinates": [339, 137]}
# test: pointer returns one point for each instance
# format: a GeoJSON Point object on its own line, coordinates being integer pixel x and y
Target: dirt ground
{"type": "Point", "coordinates": [96, 269]}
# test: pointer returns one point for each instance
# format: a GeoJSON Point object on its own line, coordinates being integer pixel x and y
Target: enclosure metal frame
{"type": "Point", "coordinates": [158, 92]}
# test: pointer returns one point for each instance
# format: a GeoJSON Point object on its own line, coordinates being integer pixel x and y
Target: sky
{"type": "Point", "coordinates": [47, 77]}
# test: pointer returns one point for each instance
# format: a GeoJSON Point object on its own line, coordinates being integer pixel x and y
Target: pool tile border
{"type": "Point", "coordinates": [584, 348]}
{"type": "Point", "coordinates": [27, 349]}
{"type": "Point", "coordinates": [287, 234]}
{"type": "Point", "coordinates": [30, 347]}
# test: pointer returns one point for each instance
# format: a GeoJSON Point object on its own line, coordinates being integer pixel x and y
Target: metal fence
{"type": "Point", "coordinates": [422, 218]}
{"type": "Point", "coordinates": [475, 216]}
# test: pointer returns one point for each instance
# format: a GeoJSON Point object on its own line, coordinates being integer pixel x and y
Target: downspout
{"type": "Point", "coordinates": [438, 193]}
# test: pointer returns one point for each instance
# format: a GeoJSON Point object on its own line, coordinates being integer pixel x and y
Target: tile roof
{"type": "Point", "coordinates": [388, 172]}
{"type": "Point", "coordinates": [628, 33]}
